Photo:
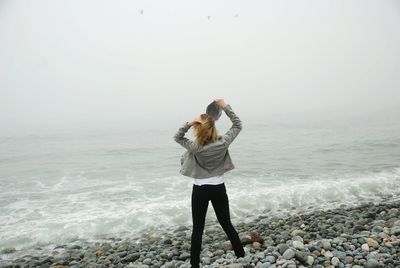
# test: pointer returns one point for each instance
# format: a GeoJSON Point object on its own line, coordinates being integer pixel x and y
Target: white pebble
{"type": "Point", "coordinates": [365, 247]}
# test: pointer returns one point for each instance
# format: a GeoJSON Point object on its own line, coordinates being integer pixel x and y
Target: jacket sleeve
{"type": "Point", "coordinates": [236, 127]}
{"type": "Point", "coordinates": [179, 137]}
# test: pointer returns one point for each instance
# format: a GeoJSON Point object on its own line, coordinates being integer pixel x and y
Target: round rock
{"type": "Point", "coordinates": [288, 254]}
{"type": "Point", "coordinates": [372, 263]}
{"type": "Point", "coordinates": [335, 261]}
{"type": "Point", "coordinates": [298, 245]}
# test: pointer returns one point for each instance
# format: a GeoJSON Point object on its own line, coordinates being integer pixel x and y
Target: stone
{"type": "Point", "coordinates": [310, 260]}
{"type": "Point", "coordinates": [218, 252]}
{"type": "Point", "coordinates": [288, 254]}
{"type": "Point", "coordinates": [235, 265]}
{"type": "Point", "coordinates": [298, 238]}
{"type": "Point", "coordinates": [282, 248]}
{"type": "Point", "coordinates": [341, 255]}
{"type": "Point", "coordinates": [317, 253]}
{"type": "Point", "coordinates": [131, 257]}
{"type": "Point", "coordinates": [383, 235]}
{"type": "Point", "coordinates": [99, 253]}
{"type": "Point", "coordinates": [393, 211]}
{"type": "Point", "coordinates": [365, 247]}
{"type": "Point", "coordinates": [256, 245]}
{"type": "Point", "coordinates": [335, 261]}
{"type": "Point", "coordinates": [227, 245]}
{"type": "Point", "coordinates": [281, 262]}
{"type": "Point", "coordinates": [147, 261]}
{"type": "Point", "coordinates": [89, 256]}
{"type": "Point", "coordinates": [372, 263]}
{"type": "Point", "coordinates": [302, 256]}
{"type": "Point", "coordinates": [184, 256]}
{"type": "Point", "coordinates": [260, 255]}
{"type": "Point", "coordinates": [395, 230]}
{"type": "Point", "coordinates": [181, 228]}
{"type": "Point", "coordinates": [270, 259]}
{"type": "Point", "coordinates": [206, 260]}
{"type": "Point", "coordinates": [328, 254]}
{"type": "Point", "coordinates": [326, 244]}
{"type": "Point", "coordinates": [105, 247]}
{"type": "Point", "coordinates": [167, 241]}
{"type": "Point", "coordinates": [349, 259]}
{"type": "Point", "coordinates": [256, 237]}
{"type": "Point", "coordinates": [169, 265]}
{"type": "Point", "coordinates": [245, 240]}
{"type": "Point", "coordinates": [371, 242]}
{"type": "Point", "coordinates": [298, 245]}
{"type": "Point", "coordinates": [290, 264]}
{"type": "Point", "coordinates": [297, 232]}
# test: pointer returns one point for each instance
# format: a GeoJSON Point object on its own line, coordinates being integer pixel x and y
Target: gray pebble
{"type": "Point", "coordinates": [282, 248]}
{"type": "Point", "coordinates": [335, 261]}
{"type": "Point", "coordinates": [298, 245]}
{"type": "Point", "coordinates": [270, 259]}
{"type": "Point", "coordinates": [288, 254]}
{"type": "Point", "coordinates": [372, 263]}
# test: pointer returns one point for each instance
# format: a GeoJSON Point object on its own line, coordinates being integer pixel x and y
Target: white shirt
{"type": "Point", "coordinates": [212, 180]}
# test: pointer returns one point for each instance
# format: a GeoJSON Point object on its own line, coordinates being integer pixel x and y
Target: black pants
{"type": "Point", "coordinates": [219, 199]}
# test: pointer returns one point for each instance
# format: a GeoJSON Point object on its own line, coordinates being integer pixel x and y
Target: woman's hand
{"type": "Point", "coordinates": [220, 102]}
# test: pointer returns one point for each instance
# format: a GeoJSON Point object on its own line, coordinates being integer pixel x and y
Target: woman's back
{"type": "Point", "coordinates": [212, 155]}
{"type": "Point", "coordinates": [213, 159]}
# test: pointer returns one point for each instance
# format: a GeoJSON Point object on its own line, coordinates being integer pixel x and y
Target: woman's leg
{"type": "Point", "coordinates": [199, 211]}
{"type": "Point", "coordinates": [220, 203]}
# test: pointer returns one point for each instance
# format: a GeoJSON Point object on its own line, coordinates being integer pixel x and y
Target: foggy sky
{"type": "Point", "coordinates": [85, 64]}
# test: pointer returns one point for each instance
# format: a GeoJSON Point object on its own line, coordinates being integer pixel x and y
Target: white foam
{"type": "Point", "coordinates": [76, 207]}
{"type": "Point", "coordinates": [255, 195]}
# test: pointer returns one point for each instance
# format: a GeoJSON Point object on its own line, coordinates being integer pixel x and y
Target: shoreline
{"type": "Point", "coordinates": [366, 235]}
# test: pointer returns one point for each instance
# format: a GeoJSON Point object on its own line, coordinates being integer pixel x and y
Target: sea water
{"type": "Point", "coordinates": [59, 188]}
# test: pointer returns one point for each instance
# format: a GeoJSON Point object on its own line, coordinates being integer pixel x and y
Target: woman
{"type": "Point", "coordinates": [206, 160]}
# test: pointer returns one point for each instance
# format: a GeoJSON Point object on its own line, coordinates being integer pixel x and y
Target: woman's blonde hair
{"type": "Point", "coordinates": [205, 132]}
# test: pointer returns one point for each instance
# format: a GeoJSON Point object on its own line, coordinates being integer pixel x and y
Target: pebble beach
{"type": "Point", "coordinates": [94, 94]}
{"type": "Point", "coordinates": [366, 235]}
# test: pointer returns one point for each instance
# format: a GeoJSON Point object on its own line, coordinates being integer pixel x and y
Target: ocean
{"type": "Point", "coordinates": [60, 188]}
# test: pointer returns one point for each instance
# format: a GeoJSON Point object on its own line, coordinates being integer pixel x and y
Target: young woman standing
{"type": "Point", "coordinates": [206, 160]}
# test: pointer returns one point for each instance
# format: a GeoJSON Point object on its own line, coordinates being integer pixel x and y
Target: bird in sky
{"type": "Point", "coordinates": [208, 17]}
{"type": "Point", "coordinates": [141, 12]}
{"type": "Point", "coordinates": [237, 15]}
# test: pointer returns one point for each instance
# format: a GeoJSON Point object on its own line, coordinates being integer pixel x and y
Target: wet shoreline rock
{"type": "Point", "coordinates": [366, 235]}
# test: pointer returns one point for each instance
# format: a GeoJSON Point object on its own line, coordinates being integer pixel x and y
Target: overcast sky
{"type": "Point", "coordinates": [73, 64]}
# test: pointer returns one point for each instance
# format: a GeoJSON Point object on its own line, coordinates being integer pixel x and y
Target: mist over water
{"type": "Point", "coordinates": [79, 66]}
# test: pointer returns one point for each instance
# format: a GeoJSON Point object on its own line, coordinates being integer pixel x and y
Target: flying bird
{"type": "Point", "coordinates": [208, 17]}
{"type": "Point", "coordinates": [141, 12]}
{"type": "Point", "coordinates": [237, 15]}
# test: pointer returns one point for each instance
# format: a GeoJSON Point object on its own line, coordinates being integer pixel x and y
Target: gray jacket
{"type": "Point", "coordinates": [204, 161]}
